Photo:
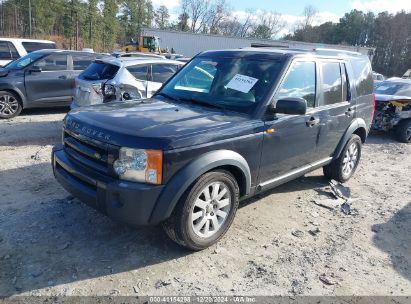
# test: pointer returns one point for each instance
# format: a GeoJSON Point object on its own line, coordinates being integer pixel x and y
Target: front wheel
{"type": "Point", "coordinates": [10, 105]}
{"type": "Point", "coordinates": [342, 168]}
{"type": "Point", "coordinates": [205, 212]}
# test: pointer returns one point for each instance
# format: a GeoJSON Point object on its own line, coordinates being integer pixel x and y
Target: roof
{"type": "Point", "coordinates": [287, 52]}
{"type": "Point", "coordinates": [398, 80]}
{"type": "Point", "coordinates": [25, 40]}
{"type": "Point", "coordinates": [129, 61]}
{"type": "Point", "coordinates": [49, 51]}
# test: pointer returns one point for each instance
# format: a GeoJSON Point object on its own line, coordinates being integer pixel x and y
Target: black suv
{"type": "Point", "coordinates": [40, 79]}
{"type": "Point", "coordinates": [229, 125]}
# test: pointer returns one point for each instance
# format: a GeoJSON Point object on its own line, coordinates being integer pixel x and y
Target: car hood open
{"type": "Point", "coordinates": [157, 124]}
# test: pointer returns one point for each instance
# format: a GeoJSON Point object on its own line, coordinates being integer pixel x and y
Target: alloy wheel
{"type": "Point", "coordinates": [350, 159]}
{"type": "Point", "coordinates": [211, 209]}
{"type": "Point", "coordinates": [8, 105]}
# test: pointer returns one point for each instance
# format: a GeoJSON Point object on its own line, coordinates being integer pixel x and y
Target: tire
{"type": "Point", "coordinates": [403, 131]}
{"type": "Point", "coordinates": [10, 105]}
{"type": "Point", "coordinates": [342, 168]}
{"type": "Point", "coordinates": [197, 224]}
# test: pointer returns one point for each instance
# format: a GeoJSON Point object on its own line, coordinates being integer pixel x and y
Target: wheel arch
{"type": "Point", "coordinates": [17, 92]}
{"type": "Point", "coordinates": [358, 127]}
{"type": "Point", "coordinates": [185, 177]}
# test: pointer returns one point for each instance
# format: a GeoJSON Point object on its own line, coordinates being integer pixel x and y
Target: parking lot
{"type": "Point", "coordinates": [294, 239]}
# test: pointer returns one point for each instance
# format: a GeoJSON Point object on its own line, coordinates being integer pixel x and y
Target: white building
{"type": "Point", "coordinates": [190, 44]}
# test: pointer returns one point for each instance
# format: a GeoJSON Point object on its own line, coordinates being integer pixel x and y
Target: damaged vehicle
{"type": "Point", "coordinates": [122, 79]}
{"type": "Point", "coordinates": [393, 108]}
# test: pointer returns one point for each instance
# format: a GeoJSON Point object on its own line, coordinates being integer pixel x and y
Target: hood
{"type": "Point", "coordinates": [385, 98]}
{"type": "Point", "coordinates": [156, 124]}
{"type": "Point", "coordinates": [4, 72]}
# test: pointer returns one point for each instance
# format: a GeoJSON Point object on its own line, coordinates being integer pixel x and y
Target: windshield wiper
{"type": "Point", "coordinates": [205, 103]}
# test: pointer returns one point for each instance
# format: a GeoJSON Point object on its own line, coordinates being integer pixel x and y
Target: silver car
{"type": "Point", "coordinates": [119, 79]}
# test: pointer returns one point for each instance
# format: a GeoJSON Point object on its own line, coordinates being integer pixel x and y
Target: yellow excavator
{"type": "Point", "coordinates": [144, 43]}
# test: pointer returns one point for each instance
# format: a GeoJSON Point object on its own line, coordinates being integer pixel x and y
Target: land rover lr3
{"type": "Point", "coordinates": [227, 126]}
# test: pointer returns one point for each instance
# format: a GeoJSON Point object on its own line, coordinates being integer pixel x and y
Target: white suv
{"type": "Point", "coordinates": [13, 48]}
{"type": "Point", "coordinates": [111, 79]}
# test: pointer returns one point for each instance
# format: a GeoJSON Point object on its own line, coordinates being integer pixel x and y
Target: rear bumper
{"type": "Point", "coordinates": [129, 202]}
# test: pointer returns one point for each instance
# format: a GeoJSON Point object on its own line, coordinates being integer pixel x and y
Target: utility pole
{"type": "Point", "coordinates": [30, 29]}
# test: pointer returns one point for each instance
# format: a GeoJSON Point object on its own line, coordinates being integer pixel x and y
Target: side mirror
{"type": "Point", "coordinates": [292, 106]}
{"type": "Point", "coordinates": [35, 69]}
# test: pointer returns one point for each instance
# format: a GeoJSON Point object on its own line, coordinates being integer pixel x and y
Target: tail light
{"type": "Point", "coordinates": [373, 107]}
{"type": "Point", "coordinates": [73, 84]}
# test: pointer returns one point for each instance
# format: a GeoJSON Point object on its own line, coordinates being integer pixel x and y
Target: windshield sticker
{"type": "Point", "coordinates": [242, 83]}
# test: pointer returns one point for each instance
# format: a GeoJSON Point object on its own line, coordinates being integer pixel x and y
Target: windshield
{"type": "Point", "coordinates": [24, 61]}
{"type": "Point", "coordinates": [237, 84]}
{"type": "Point", "coordinates": [392, 88]}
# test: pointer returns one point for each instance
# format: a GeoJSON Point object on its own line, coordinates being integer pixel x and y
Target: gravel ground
{"type": "Point", "coordinates": [294, 240]}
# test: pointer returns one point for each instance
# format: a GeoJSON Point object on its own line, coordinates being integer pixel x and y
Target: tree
{"type": "Point", "coordinates": [110, 24]}
{"type": "Point", "coordinates": [269, 24]}
{"type": "Point", "coordinates": [182, 24]}
{"type": "Point", "coordinates": [161, 17]}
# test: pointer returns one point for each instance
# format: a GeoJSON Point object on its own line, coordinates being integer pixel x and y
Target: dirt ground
{"type": "Point", "coordinates": [294, 240]}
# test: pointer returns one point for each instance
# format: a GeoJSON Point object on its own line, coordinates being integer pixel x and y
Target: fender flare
{"type": "Point", "coordinates": [182, 180]}
{"type": "Point", "coordinates": [356, 124]}
{"type": "Point", "coordinates": [14, 90]}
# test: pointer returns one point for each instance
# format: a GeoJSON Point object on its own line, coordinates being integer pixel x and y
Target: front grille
{"type": "Point", "coordinates": [89, 152]}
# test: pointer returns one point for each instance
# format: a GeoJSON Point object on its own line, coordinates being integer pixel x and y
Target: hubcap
{"type": "Point", "coordinates": [210, 209]}
{"type": "Point", "coordinates": [350, 159]}
{"type": "Point", "coordinates": [8, 105]}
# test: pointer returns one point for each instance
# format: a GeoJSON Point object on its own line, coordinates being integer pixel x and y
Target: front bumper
{"type": "Point", "coordinates": [129, 202]}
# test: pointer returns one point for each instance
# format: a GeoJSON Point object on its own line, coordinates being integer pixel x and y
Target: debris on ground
{"type": "Point", "coordinates": [297, 233]}
{"type": "Point", "coordinates": [326, 279]}
{"type": "Point", "coordinates": [346, 208]}
{"type": "Point", "coordinates": [338, 190]}
{"type": "Point", "coordinates": [314, 232]}
{"type": "Point", "coordinates": [161, 283]}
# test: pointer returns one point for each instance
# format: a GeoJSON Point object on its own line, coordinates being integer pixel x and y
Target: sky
{"type": "Point", "coordinates": [291, 10]}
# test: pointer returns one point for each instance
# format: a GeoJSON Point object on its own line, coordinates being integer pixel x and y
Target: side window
{"type": "Point", "coordinates": [162, 72]}
{"type": "Point", "coordinates": [13, 51]}
{"type": "Point", "coordinates": [299, 83]}
{"type": "Point", "coordinates": [81, 62]}
{"type": "Point", "coordinates": [5, 51]}
{"type": "Point", "coordinates": [54, 62]}
{"type": "Point", "coordinates": [139, 71]}
{"type": "Point", "coordinates": [35, 46]}
{"type": "Point", "coordinates": [331, 83]}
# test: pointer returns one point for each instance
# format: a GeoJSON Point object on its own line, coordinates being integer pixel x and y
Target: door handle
{"type": "Point", "coordinates": [312, 121]}
{"type": "Point", "coordinates": [62, 77]}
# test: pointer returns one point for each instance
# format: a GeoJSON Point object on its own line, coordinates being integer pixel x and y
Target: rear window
{"type": "Point", "coordinates": [35, 46]}
{"type": "Point", "coordinates": [99, 71]}
{"type": "Point", "coordinates": [363, 76]}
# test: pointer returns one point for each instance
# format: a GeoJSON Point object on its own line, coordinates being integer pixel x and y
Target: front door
{"type": "Point", "coordinates": [51, 83]}
{"type": "Point", "coordinates": [290, 140]}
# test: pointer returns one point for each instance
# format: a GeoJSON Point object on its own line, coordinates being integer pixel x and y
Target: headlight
{"type": "Point", "coordinates": [139, 165]}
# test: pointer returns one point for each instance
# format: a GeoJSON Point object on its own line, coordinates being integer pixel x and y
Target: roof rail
{"type": "Point", "coordinates": [325, 51]}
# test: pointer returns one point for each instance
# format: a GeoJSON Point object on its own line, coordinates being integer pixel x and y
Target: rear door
{"type": "Point", "coordinates": [336, 105]}
{"type": "Point", "coordinates": [160, 73]}
{"type": "Point", "coordinates": [51, 85]}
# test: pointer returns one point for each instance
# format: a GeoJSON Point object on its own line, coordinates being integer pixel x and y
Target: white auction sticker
{"type": "Point", "coordinates": [242, 83]}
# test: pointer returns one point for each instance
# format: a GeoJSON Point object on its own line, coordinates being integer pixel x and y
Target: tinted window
{"type": "Point", "coordinates": [139, 71]}
{"type": "Point", "coordinates": [35, 46]}
{"type": "Point", "coordinates": [13, 51]}
{"type": "Point", "coordinates": [81, 61]}
{"type": "Point", "coordinates": [54, 62]}
{"type": "Point", "coordinates": [162, 72]}
{"type": "Point", "coordinates": [363, 75]}
{"type": "Point", "coordinates": [299, 83]}
{"type": "Point", "coordinates": [5, 51]}
{"type": "Point", "coordinates": [346, 83]}
{"type": "Point", "coordinates": [331, 82]}
{"type": "Point", "coordinates": [99, 70]}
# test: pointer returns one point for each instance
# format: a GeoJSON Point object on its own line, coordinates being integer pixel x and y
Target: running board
{"type": "Point", "coordinates": [293, 174]}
